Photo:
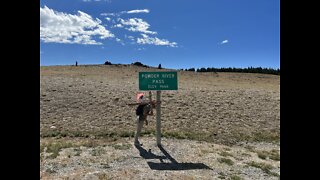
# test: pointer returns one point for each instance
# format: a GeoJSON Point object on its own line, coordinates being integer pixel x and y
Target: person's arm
{"type": "Point", "coordinates": [143, 103]}
{"type": "Point", "coordinates": [133, 104]}
{"type": "Point", "coordinates": [155, 103]}
{"type": "Point", "coordinates": [139, 103]}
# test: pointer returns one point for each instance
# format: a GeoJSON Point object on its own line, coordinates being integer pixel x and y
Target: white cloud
{"type": "Point", "coordinates": [118, 25]}
{"type": "Point", "coordinates": [141, 49]}
{"type": "Point", "coordinates": [224, 41]}
{"type": "Point", "coordinates": [108, 19]}
{"type": "Point", "coordinates": [135, 11]}
{"type": "Point", "coordinates": [155, 41]}
{"type": "Point", "coordinates": [129, 37]}
{"type": "Point", "coordinates": [137, 25]}
{"type": "Point", "coordinates": [108, 14]}
{"type": "Point", "coordinates": [61, 27]}
{"type": "Point", "coordinates": [113, 14]}
{"type": "Point", "coordinates": [138, 11]}
{"type": "Point", "coordinates": [120, 41]}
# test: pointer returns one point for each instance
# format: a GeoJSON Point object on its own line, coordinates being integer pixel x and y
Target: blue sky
{"type": "Point", "coordinates": [176, 33]}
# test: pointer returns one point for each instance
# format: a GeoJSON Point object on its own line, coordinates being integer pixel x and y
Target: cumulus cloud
{"type": "Point", "coordinates": [155, 41]}
{"type": "Point", "coordinates": [224, 41]}
{"type": "Point", "coordinates": [137, 25]}
{"type": "Point", "coordinates": [118, 25]}
{"type": "Point", "coordinates": [138, 11]}
{"type": "Point", "coordinates": [61, 27]}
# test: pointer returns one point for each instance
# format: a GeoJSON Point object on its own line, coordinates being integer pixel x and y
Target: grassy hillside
{"type": "Point", "coordinates": [86, 128]}
{"type": "Point", "coordinates": [226, 108]}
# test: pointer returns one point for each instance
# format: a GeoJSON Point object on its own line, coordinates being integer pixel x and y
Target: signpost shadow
{"type": "Point", "coordinates": [162, 81]}
{"type": "Point", "coordinates": [172, 165]}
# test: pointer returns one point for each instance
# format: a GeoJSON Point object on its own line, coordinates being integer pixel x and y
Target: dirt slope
{"type": "Point", "coordinates": [233, 110]}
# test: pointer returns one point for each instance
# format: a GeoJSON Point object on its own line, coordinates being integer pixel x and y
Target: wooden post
{"type": "Point", "coordinates": [158, 119]}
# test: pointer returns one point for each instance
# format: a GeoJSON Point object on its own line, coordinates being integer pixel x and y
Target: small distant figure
{"type": "Point", "coordinates": [159, 66]}
{"type": "Point", "coordinates": [76, 63]}
{"type": "Point", "coordinates": [142, 111]}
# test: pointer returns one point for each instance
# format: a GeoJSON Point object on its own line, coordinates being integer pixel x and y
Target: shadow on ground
{"type": "Point", "coordinates": [173, 165]}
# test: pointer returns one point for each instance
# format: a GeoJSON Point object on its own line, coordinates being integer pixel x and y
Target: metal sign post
{"type": "Point", "coordinates": [158, 119]}
{"type": "Point", "coordinates": [158, 81]}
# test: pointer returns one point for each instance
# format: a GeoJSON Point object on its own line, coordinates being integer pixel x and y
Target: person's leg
{"type": "Point", "coordinates": [146, 120]}
{"type": "Point", "coordinates": [139, 127]}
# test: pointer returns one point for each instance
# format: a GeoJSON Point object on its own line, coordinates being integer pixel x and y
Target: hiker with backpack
{"type": "Point", "coordinates": [144, 109]}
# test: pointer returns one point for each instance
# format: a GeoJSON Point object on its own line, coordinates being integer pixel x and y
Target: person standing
{"type": "Point", "coordinates": [143, 110]}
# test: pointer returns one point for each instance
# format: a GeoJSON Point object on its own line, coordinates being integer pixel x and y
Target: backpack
{"type": "Point", "coordinates": [139, 110]}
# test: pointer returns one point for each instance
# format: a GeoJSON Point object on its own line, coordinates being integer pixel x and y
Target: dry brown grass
{"type": "Point", "coordinates": [90, 101]}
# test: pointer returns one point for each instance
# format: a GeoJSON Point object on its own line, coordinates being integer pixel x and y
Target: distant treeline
{"type": "Point", "coordinates": [241, 70]}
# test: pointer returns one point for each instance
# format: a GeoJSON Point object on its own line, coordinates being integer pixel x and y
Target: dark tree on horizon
{"type": "Point", "coordinates": [240, 70]}
{"type": "Point", "coordinates": [107, 63]}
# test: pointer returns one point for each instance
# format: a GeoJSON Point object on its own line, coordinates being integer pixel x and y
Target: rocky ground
{"type": "Point", "coordinates": [217, 125]}
{"type": "Point", "coordinates": [176, 159]}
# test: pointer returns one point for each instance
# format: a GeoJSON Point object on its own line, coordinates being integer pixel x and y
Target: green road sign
{"type": "Point", "coordinates": [158, 81]}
